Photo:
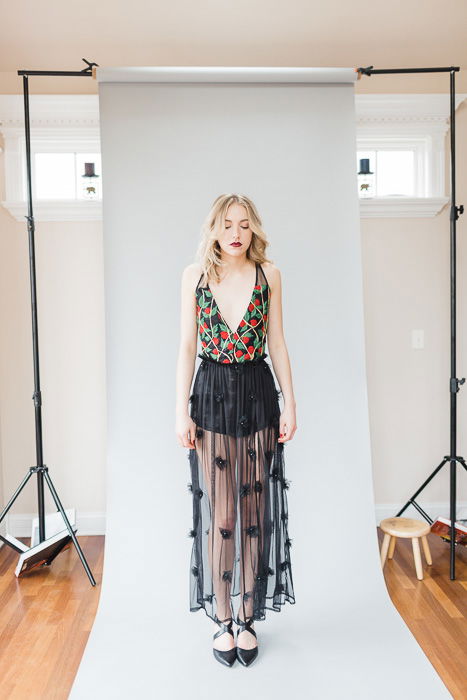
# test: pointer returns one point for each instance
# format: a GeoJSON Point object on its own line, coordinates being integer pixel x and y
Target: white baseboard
{"type": "Point", "coordinates": [433, 510]}
{"type": "Point", "coordinates": [19, 524]}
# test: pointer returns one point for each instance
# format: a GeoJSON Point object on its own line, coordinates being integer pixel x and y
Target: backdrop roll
{"type": "Point", "coordinates": [172, 139]}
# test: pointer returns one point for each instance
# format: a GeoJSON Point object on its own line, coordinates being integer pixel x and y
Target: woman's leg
{"type": "Point", "coordinates": [253, 469]}
{"type": "Point", "coordinates": [217, 455]}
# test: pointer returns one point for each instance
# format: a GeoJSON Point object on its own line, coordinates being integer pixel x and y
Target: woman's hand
{"type": "Point", "coordinates": [185, 429]}
{"type": "Point", "coordinates": [287, 424]}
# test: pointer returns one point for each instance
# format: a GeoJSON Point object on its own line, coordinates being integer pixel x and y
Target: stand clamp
{"type": "Point", "coordinates": [456, 212]}
{"type": "Point", "coordinates": [454, 384]}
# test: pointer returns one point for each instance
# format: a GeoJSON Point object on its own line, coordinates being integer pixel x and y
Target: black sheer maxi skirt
{"type": "Point", "coordinates": [240, 561]}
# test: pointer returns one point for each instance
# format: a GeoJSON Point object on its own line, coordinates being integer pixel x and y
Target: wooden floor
{"type": "Point", "coordinates": [434, 609]}
{"type": "Point", "coordinates": [46, 617]}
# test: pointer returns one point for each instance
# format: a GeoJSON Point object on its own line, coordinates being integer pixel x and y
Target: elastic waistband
{"type": "Point", "coordinates": [235, 365]}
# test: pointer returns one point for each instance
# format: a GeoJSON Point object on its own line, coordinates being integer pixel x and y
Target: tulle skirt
{"type": "Point", "coordinates": [240, 560]}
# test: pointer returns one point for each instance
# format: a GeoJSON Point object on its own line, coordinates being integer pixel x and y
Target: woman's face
{"type": "Point", "coordinates": [236, 231]}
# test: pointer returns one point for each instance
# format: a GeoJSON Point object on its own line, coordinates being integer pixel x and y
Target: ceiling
{"type": "Point", "coordinates": [392, 34]}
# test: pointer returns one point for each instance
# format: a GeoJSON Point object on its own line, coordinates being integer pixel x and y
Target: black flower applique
{"type": "Point", "coordinates": [199, 493]}
{"type": "Point", "coordinates": [209, 597]}
{"type": "Point", "coordinates": [207, 531]}
{"type": "Point", "coordinates": [195, 570]}
{"type": "Point", "coordinates": [192, 533]}
{"type": "Point", "coordinates": [284, 565]}
{"type": "Point", "coordinates": [285, 483]}
{"type": "Point", "coordinates": [198, 432]}
{"type": "Point", "coordinates": [288, 542]}
{"type": "Point", "coordinates": [221, 463]}
{"type": "Point", "coordinates": [252, 396]}
{"type": "Point", "coordinates": [219, 396]}
{"type": "Point", "coordinates": [247, 595]}
{"type": "Point", "coordinates": [258, 486]}
{"type": "Point", "coordinates": [245, 490]}
{"type": "Point", "coordinates": [226, 534]}
{"type": "Point", "coordinates": [252, 452]}
{"type": "Point", "coordinates": [284, 517]}
{"type": "Point", "coordinates": [243, 421]}
{"type": "Point", "coordinates": [270, 571]}
{"type": "Point", "coordinates": [261, 577]}
{"type": "Point", "coordinates": [252, 530]}
{"type": "Point", "coordinates": [275, 474]}
{"type": "Point", "coordinates": [190, 487]}
{"type": "Point", "coordinates": [280, 587]}
{"type": "Point", "coordinates": [227, 575]}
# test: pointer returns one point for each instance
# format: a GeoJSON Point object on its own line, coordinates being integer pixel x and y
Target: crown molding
{"type": "Point", "coordinates": [428, 108]}
{"type": "Point", "coordinates": [83, 110]}
{"type": "Point", "coordinates": [47, 111]}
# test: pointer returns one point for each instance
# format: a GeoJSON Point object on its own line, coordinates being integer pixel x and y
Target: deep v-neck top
{"type": "Point", "coordinates": [248, 340]}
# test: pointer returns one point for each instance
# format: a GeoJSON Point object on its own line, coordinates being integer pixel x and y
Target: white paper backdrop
{"type": "Point", "coordinates": [172, 139]}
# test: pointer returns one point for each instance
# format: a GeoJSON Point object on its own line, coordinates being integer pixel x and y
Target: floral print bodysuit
{"type": "Point", "coordinates": [248, 341]}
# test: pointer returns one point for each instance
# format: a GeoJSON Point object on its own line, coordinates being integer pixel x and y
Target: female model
{"type": "Point", "coordinates": [234, 430]}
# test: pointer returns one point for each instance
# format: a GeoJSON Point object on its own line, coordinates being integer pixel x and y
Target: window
{"type": "Point", "coordinates": [60, 176]}
{"type": "Point", "coordinates": [64, 136]}
{"type": "Point", "coordinates": [394, 171]}
{"type": "Point", "coordinates": [403, 137]}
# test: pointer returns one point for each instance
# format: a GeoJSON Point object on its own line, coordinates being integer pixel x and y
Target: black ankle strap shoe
{"type": "Point", "coordinates": [225, 657]}
{"type": "Point", "coordinates": [246, 656]}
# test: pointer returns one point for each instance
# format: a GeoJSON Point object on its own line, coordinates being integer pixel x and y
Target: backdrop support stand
{"type": "Point", "coordinates": [41, 469]}
{"type": "Point", "coordinates": [454, 382]}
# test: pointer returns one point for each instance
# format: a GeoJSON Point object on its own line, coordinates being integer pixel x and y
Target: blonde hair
{"type": "Point", "coordinates": [209, 253]}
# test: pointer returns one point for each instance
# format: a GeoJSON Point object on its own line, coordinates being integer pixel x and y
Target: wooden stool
{"type": "Point", "coordinates": [405, 527]}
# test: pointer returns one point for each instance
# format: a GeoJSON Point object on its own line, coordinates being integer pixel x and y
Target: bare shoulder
{"type": "Point", "coordinates": [273, 274]}
{"type": "Point", "coordinates": [191, 274]}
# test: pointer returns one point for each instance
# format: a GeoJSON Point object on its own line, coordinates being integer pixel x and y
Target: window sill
{"type": "Point", "coordinates": [91, 210]}
{"type": "Point", "coordinates": [402, 207]}
{"type": "Point", "coordinates": [57, 210]}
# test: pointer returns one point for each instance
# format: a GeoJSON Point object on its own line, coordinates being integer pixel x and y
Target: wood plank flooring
{"type": "Point", "coordinates": [434, 609]}
{"type": "Point", "coordinates": [46, 616]}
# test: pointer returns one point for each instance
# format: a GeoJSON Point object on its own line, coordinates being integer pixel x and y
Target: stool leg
{"type": "Point", "coordinates": [426, 550]}
{"type": "Point", "coordinates": [417, 558]}
{"type": "Point", "coordinates": [384, 549]}
{"type": "Point", "coordinates": [392, 545]}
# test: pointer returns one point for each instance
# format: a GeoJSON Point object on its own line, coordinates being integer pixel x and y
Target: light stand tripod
{"type": "Point", "coordinates": [454, 382]}
{"type": "Point", "coordinates": [41, 469]}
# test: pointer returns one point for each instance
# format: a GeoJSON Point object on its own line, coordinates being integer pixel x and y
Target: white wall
{"type": "Point", "coordinates": [405, 265]}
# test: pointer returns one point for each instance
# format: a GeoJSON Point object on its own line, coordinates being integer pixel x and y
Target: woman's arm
{"type": "Point", "coordinates": [185, 428]}
{"type": "Point", "coordinates": [279, 354]}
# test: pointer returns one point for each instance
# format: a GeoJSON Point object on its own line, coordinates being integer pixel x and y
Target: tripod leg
{"type": "Point", "coordinates": [15, 496]}
{"type": "Point", "coordinates": [70, 529]}
{"type": "Point", "coordinates": [412, 501]}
